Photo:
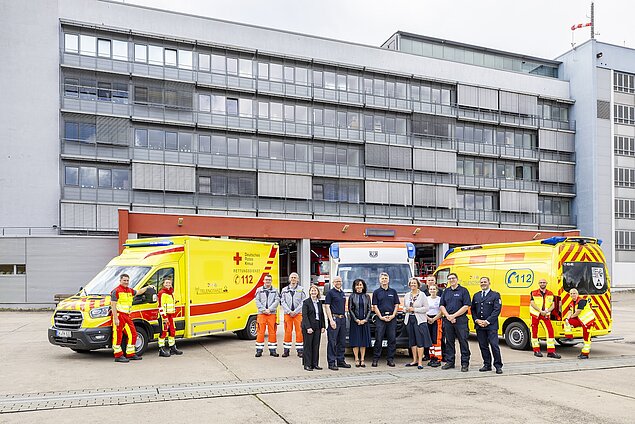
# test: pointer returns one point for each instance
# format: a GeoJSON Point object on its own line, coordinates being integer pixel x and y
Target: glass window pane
{"type": "Point", "coordinates": [301, 152]}
{"type": "Point", "coordinates": [289, 113]}
{"type": "Point", "coordinates": [317, 79]}
{"type": "Point", "coordinates": [140, 53]}
{"type": "Point", "coordinates": [232, 146]}
{"type": "Point", "coordinates": [289, 151]}
{"type": "Point", "coordinates": [170, 57]}
{"type": "Point", "coordinates": [204, 62]}
{"type": "Point", "coordinates": [276, 149]}
{"type": "Point", "coordinates": [301, 76]}
{"type": "Point", "coordinates": [71, 43]}
{"type": "Point", "coordinates": [171, 142]}
{"type": "Point", "coordinates": [263, 71]}
{"type": "Point", "coordinates": [263, 110]}
{"type": "Point", "coordinates": [263, 149]}
{"type": "Point", "coordinates": [155, 55]}
{"type": "Point", "coordinates": [275, 72]}
{"type": "Point", "coordinates": [245, 147]}
{"type": "Point", "coordinates": [103, 48]}
{"type": "Point", "coordinates": [71, 176]}
{"type": "Point", "coordinates": [155, 139]}
{"type": "Point", "coordinates": [219, 145]}
{"type": "Point", "coordinates": [87, 45]}
{"type": "Point", "coordinates": [185, 142]}
{"type": "Point", "coordinates": [329, 80]}
{"type": "Point", "coordinates": [120, 179]}
{"type": "Point", "coordinates": [71, 131]}
{"type": "Point", "coordinates": [301, 114]}
{"type": "Point", "coordinates": [119, 50]}
{"type": "Point", "coordinates": [245, 106]}
{"type": "Point", "coordinates": [204, 143]}
{"type": "Point", "coordinates": [289, 74]}
{"type": "Point", "coordinates": [318, 154]}
{"type": "Point", "coordinates": [232, 107]}
{"type": "Point", "coordinates": [275, 110]}
{"type": "Point", "coordinates": [218, 63]}
{"type": "Point", "coordinates": [232, 66]}
{"type": "Point", "coordinates": [185, 59]}
{"type": "Point", "coordinates": [218, 104]}
{"type": "Point", "coordinates": [87, 133]}
{"type": "Point", "coordinates": [204, 103]}
{"type": "Point", "coordinates": [245, 68]}
{"type": "Point", "coordinates": [141, 138]}
{"type": "Point", "coordinates": [105, 178]}
{"type": "Point", "coordinates": [88, 177]}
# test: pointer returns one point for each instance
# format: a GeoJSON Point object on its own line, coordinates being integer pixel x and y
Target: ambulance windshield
{"type": "Point", "coordinates": [108, 279]}
{"type": "Point", "coordinates": [587, 277]}
{"type": "Point", "coordinates": [399, 275]}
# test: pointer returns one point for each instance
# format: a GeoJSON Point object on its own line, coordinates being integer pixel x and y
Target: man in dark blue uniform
{"type": "Point", "coordinates": [486, 307]}
{"type": "Point", "coordinates": [385, 305]}
{"type": "Point", "coordinates": [334, 303]}
{"type": "Point", "coordinates": [454, 304]}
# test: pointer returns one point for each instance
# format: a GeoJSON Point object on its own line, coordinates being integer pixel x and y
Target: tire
{"type": "Point", "coordinates": [517, 336]}
{"type": "Point", "coordinates": [142, 341]}
{"type": "Point", "coordinates": [249, 332]}
{"type": "Point", "coordinates": [567, 342]}
{"type": "Point", "coordinates": [81, 350]}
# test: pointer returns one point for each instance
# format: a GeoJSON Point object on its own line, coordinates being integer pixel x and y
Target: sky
{"type": "Point", "coordinates": [540, 28]}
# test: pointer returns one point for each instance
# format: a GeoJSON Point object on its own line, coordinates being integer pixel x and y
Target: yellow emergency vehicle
{"type": "Point", "coordinates": [215, 281]}
{"type": "Point", "coordinates": [514, 270]}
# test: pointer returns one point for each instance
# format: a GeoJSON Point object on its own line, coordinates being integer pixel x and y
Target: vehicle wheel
{"type": "Point", "coordinates": [80, 350]}
{"type": "Point", "coordinates": [567, 342]}
{"type": "Point", "coordinates": [517, 336]}
{"type": "Point", "coordinates": [249, 332]}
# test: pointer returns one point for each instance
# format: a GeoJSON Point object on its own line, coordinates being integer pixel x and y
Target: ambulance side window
{"type": "Point", "coordinates": [156, 280]}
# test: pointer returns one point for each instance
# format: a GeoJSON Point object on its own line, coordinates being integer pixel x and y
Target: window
{"type": "Point", "coordinates": [71, 131]}
{"type": "Point", "coordinates": [141, 138]}
{"type": "Point", "coordinates": [140, 53]}
{"type": "Point", "coordinates": [185, 142]}
{"type": "Point", "coordinates": [155, 55]}
{"type": "Point", "coordinates": [120, 179]}
{"type": "Point", "coordinates": [185, 59]}
{"type": "Point", "coordinates": [71, 43]}
{"type": "Point", "coordinates": [87, 132]}
{"type": "Point", "coordinates": [104, 92]}
{"type": "Point", "coordinates": [204, 103]}
{"type": "Point", "coordinates": [289, 74]}
{"type": "Point", "coordinates": [204, 62]}
{"type": "Point", "coordinates": [170, 57]}
{"type": "Point", "coordinates": [245, 68]}
{"type": "Point", "coordinates": [12, 269]}
{"type": "Point", "coordinates": [87, 177]}
{"type": "Point", "coordinates": [156, 139]}
{"type": "Point", "coordinates": [71, 87]}
{"type": "Point", "coordinates": [624, 145]}
{"type": "Point", "coordinates": [245, 107]}
{"type": "Point", "coordinates": [624, 177]}
{"type": "Point", "coordinates": [71, 176]}
{"type": "Point", "coordinates": [624, 114]}
{"type": "Point", "coordinates": [625, 240]}
{"type": "Point", "coordinates": [218, 64]}
{"type": "Point", "coordinates": [623, 82]}
{"type": "Point", "coordinates": [232, 107]}
{"type": "Point", "coordinates": [119, 50]}
{"type": "Point", "coordinates": [263, 71]}
{"type": "Point", "coordinates": [171, 141]}
{"type": "Point", "coordinates": [104, 178]}
{"type": "Point", "coordinates": [477, 200]}
{"type": "Point", "coordinates": [204, 143]}
{"type": "Point", "coordinates": [87, 45]}
{"type": "Point", "coordinates": [275, 72]}
{"type": "Point", "coordinates": [232, 66]}
{"type": "Point", "coordinates": [336, 190]}
{"type": "Point", "coordinates": [103, 48]}
{"type": "Point", "coordinates": [232, 183]}
{"type": "Point", "coordinates": [218, 104]}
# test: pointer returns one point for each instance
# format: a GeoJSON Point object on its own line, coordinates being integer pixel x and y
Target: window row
{"type": "Point", "coordinates": [160, 96]}
{"type": "Point", "coordinates": [155, 139]}
{"type": "Point", "coordinates": [625, 208]}
{"type": "Point", "coordinates": [623, 82]}
{"type": "Point", "coordinates": [554, 206]}
{"type": "Point", "coordinates": [232, 184]}
{"type": "Point", "coordinates": [87, 88]}
{"type": "Point", "coordinates": [501, 136]}
{"type": "Point", "coordinates": [89, 45]}
{"type": "Point", "coordinates": [624, 145]}
{"type": "Point", "coordinates": [552, 110]}
{"type": "Point", "coordinates": [12, 269]}
{"type": "Point", "coordinates": [487, 168]}
{"type": "Point", "coordinates": [624, 114]}
{"type": "Point", "coordinates": [337, 190]}
{"type": "Point", "coordinates": [476, 200]}
{"type": "Point", "coordinates": [624, 177]}
{"type": "Point", "coordinates": [624, 240]}
{"type": "Point", "coordinates": [80, 131]}
{"type": "Point", "coordinates": [93, 177]}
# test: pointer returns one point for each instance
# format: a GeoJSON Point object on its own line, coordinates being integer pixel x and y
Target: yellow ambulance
{"type": "Point", "coordinates": [215, 281]}
{"type": "Point", "coordinates": [514, 270]}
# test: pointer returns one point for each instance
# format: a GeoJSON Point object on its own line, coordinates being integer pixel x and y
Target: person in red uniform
{"type": "Point", "coordinates": [540, 307]}
{"type": "Point", "coordinates": [167, 312]}
{"type": "Point", "coordinates": [580, 315]}
{"type": "Point", "coordinates": [121, 304]}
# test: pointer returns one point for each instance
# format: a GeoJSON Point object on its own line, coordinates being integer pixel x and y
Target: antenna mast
{"type": "Point", "coordinates": [592, 21]}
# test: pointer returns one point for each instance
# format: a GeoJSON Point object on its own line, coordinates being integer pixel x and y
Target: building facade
{"type": "Point", "coordinates": [127, 107]}
{"type": "Point", "coordinates": [602, 85]}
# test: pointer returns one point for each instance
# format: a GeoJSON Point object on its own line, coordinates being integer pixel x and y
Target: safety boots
{"type": "Point", "coordinates": [272, 352]}
{"type": "Point", "coordinates": [164, 352]}
{"type": "Point", "coordinates": [175, 351]}
{"type": "Point", "coordinates": [285, 353]}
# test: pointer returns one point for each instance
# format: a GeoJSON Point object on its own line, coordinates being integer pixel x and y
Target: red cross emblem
{"type": "Point", "coordinates": [238, 258]}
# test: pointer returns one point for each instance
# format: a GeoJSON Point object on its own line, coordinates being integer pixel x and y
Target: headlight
{"type": "Point", "coordinates": [104, 311]}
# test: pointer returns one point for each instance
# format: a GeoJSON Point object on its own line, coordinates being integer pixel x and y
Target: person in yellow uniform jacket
{"type": "Point", "coordinates": [167, 312]}
{"type": "Point", "coordinates": [121, 304]}
{"type": "Point", "coordinates": [580, 315]}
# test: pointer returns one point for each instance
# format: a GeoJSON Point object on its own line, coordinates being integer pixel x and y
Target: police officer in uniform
{"type": "Point", "coordinates": [454, 304]}
{"type": "Point", "coordinates": [385, 304]}
{"type": "Point", "coordinates": [486, 307]}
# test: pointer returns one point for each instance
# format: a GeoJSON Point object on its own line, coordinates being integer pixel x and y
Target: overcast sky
{"type": "Point", "coordinates": [532, 27]}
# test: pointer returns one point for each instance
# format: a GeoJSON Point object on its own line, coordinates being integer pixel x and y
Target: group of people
{"type": "Point", "coordinates": [435, 320]}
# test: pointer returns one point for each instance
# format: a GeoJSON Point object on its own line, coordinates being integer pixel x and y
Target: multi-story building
{"type": "Point", "coordinates": [113, 106]}
{"type": "Point", "coordinates": [602, 78]}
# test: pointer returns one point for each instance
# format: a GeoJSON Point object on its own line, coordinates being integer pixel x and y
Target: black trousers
{"type": "Point", "coordinates": [453, 332]}
{"type": "Point", "coordinates": [488, 338]}
{"type": "Point", "coordinates": [311, 345]}
{"type": "Point", "coordinates": [388, 330]}
{"type": "Point", "coordinates": [337, 341]}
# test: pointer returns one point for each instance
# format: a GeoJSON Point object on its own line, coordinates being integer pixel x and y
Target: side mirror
{"type": "Point", "coordinates": [327, 287]}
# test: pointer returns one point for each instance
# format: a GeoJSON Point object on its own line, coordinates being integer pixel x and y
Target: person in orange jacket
{"type": "Point", "coordinates": [121, 304]}
{"type": "Point", "coordinates": [580, 314]}
{"type": "Point", "coordinates": [540, 306]}
{"type": "Point", "coordinates": [167, 312]}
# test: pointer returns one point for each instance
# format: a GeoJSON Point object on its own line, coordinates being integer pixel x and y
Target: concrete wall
{"type": "Point", "coordinates": [53, 265]}
{"type": "Point", "coordinates": [29, 114]}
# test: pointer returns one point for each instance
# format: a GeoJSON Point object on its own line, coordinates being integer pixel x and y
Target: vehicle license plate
{"type": "Point", "coordinates": [63, 333]}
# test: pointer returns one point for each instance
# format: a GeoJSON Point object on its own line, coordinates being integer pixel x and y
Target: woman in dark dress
{"type": "Point", "coordinates": [313, 325]}
{"type": "Point", "coordinates": [359, 308]}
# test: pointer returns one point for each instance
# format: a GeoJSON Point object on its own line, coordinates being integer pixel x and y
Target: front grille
{"type": "Point", "coordinates": [68, 320]}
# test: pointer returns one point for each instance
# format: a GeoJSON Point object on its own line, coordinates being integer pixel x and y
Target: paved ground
{"type": "Point", "coordinates": [219, 380]}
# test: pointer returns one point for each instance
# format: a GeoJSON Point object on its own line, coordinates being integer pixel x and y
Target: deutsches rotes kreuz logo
{"type": "Point", "coordinates": [373, 253]}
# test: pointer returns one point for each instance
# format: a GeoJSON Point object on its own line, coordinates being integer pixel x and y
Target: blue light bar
{"type": "Point", "coordinates": [447, 252]}
{"type": "Point", "coordinates": [411, 250]}
{"type": "Point", "coordinates": [553, 240]}
{"type": "Point", "coordinates": [334, 250]}
{"type": "Point", "coordinates": [150, 244]}
{"type": "Point", "coordinates": [599, 242]}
